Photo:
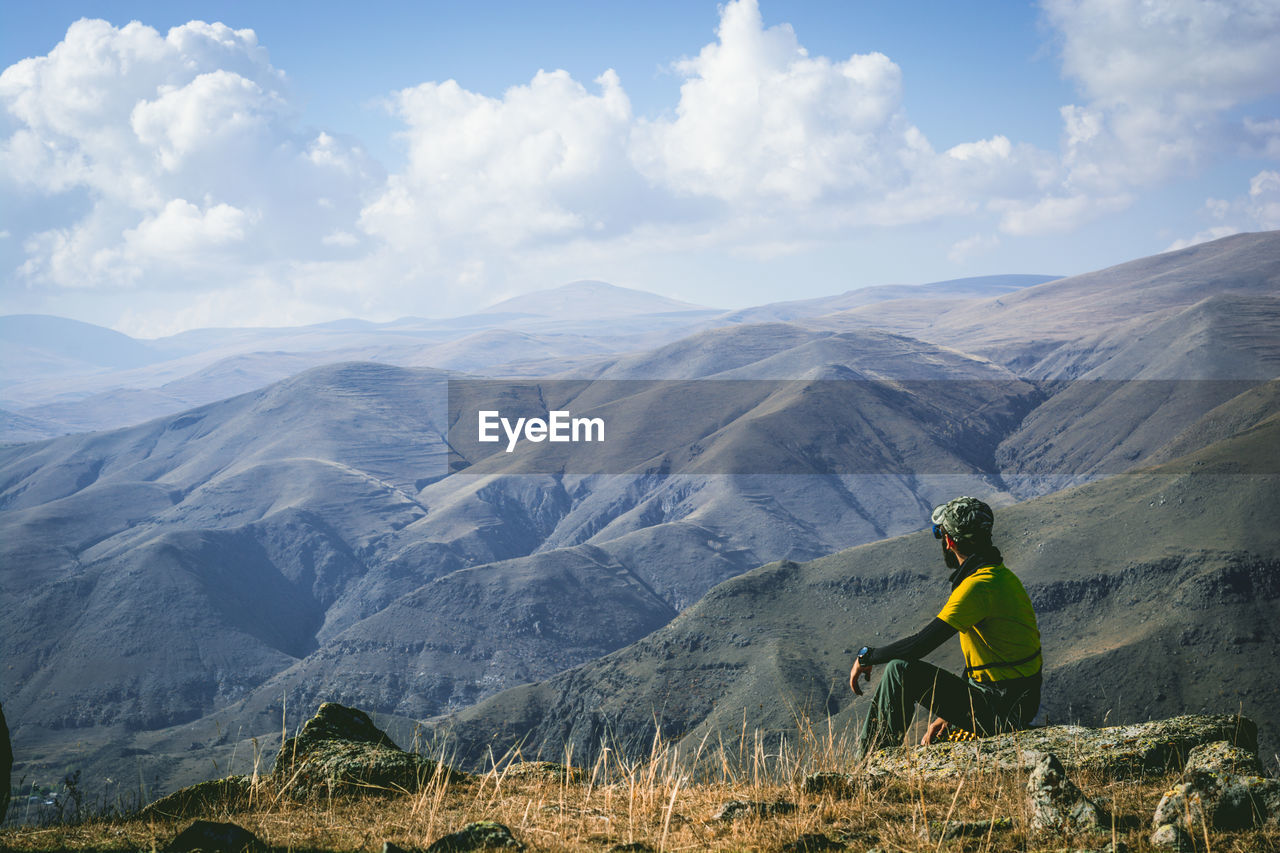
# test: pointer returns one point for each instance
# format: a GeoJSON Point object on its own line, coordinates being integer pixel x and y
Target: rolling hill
{"type": "Point", "coordinates": [200, 575]}
{"type": "Point", "coordinates": [1156, 592]}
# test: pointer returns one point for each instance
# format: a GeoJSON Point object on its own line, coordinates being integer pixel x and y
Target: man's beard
{"type": "Point", "coordinates": [949, 557]}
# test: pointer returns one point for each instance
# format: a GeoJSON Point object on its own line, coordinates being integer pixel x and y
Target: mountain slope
{"type": "Point", "coordinates": [1156, 593]}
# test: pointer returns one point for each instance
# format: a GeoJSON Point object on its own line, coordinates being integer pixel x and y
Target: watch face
{"type": "Point", "coordinates": [862, 651]}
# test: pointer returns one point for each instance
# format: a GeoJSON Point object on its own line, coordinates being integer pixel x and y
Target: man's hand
{"type": "Point", "coordinates": [859, 671]}
{"type": "Point", "coordinates": [936, 728]}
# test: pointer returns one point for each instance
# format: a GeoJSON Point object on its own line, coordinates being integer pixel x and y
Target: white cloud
{"type": "Point", "coordinates": [184, 230]}
{"type": "Point", "coordinates": [181, 168]}
{"type": "Point", "coordinates": [1258, 210]}
{"type": "Point", "coordinates": [760, 119]}
{"type": "Point", "coordinates": [994, 150]}
{"type": "Point", "coordinates": [172, 152]}
{"type": "Point", "coordinates": [978, 244]}
{"type": "Point", "coordinates": [1159, 80]}
{"type": "Point", "coordinates": [1056, 214]}
{"type": "Point", "coordinates": [1262, 138]}
{"type": "Point", "coordinates": [540, 162]}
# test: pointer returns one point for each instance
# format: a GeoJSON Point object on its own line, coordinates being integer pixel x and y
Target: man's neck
{"type": "Point", "coordinates": [971, 563]}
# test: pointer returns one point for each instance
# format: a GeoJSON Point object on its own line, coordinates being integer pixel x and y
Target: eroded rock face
{"type": "Point", "coordinates": [340, 750]}
{"type": "Point", "coordinates": [1057, 803]}
{"type": "Point", "coordinates": [1116, 752]}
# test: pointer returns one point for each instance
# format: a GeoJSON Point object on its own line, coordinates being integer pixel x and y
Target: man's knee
{"type": "Point", "coordinates": [896, 668]}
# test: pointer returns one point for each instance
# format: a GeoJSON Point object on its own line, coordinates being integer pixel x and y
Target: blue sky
{"type": "Point", "coordinates": [305, 162]}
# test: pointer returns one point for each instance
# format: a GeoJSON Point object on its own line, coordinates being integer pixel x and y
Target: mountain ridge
{"type": "Point", "coordinates": [264, 542]}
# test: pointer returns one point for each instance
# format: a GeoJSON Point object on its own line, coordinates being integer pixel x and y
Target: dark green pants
{"type": "Point", "coordinates": [984, 708]}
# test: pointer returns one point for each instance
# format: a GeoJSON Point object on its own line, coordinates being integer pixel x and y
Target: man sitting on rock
{"type": "Point", "coordinates": [990, 610]}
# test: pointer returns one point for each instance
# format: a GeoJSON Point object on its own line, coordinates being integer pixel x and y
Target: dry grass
{"type": "Point", "coordinates": [665, 801]}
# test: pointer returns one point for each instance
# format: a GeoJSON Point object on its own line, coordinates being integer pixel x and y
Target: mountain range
{"type": "Point", "coordinates": [193, 576]}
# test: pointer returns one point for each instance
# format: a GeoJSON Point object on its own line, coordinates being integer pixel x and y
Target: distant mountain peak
{"type": "Point", "coordinates": [588, 298]}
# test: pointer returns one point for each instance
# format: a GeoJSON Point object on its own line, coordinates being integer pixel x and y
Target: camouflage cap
{"type": "Point", "coordinates": [965, 518]}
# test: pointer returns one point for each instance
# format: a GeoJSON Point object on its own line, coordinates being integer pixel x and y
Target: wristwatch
{"type": "Point", "coordinates": [863, 652]}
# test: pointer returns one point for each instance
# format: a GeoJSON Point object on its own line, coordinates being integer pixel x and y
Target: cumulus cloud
{"type": "Point", "coordinates": [175, 153]}
{"type": "Point", "coordinates": [542, 161]}
{"type": "Point", "coordinates": [180, 165]}
{"type": "Point", "coordinates": [769, 151]}
{"type": "Point", "coordinates": [1257, 210]}
{"type": "Point", "coordinates": [1160, 80]}
{"type": "Point", "coordinates": [760, 119]}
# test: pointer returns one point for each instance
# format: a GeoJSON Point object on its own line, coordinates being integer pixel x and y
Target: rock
{"type": "Point", "coordinates": [811, 842]}
{"type": "Point", "coordinates": [549, 770]}
{"type": "Point", "coordinates": [202, 798]}
{"type": "Point", "coordinates": [209, 836]}
{"type": "Point", "coordinates": [337, 722]}
{"type": "Point", "coordinates": [340, 750]}
{"type": "Point", "coordinates": [6, 765]}
{"type": "Point", "coordinates": [1207, 800]}
{"type": "Point", "coordinates": [1173, 838]}
{"type": "Point", "coordinates": [483, 835]}
{"type": "Point", "coordinates": [738, 809]}
{"type": "Point", "coordinates": [1115, 752]}
{"type": "Point", "coordinates": [1057, 803]}
{"type": "Point", "coordinates": [392, 847]}
{"type": "Point", "coordinates": [938, 830]}
{"type": "Point", "coordinates": [838, 785]}
{"type": "Point", "coordinates": [1222, 757]}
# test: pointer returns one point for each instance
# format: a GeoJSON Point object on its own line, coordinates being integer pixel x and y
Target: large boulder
{"type": "Point", "coordinates": [341, 751]}
{"type": "Point", "coordinates": [1116, 752]}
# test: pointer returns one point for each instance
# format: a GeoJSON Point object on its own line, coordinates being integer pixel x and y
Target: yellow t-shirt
{"type": "Point", "coordinates": [997, 625]}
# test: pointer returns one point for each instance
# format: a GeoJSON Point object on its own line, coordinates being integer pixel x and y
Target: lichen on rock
{"type": "Point", "coordinates": [340, 750]}
{"type": "Point", "coordinates": [1057, 803]}
{"type": "Point", "coordinates": [1219, 801]}
{"type": "Point", "coordinates": [1116, 752]}
{"type": "Point", "coordinates": [203, 798]}
{"type": "Point", "coordinates": [1223, 757]}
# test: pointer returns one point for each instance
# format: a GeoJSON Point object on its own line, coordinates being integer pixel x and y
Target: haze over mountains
{"type": "Point", "coordinates": [175, 582]}
{"type": "Point", "coordinates": [62, 376]}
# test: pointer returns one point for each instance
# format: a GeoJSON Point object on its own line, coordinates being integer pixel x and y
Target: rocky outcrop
{"type": "Point", "coordinates": [341, 751]}
{"type": "Point", "coordinates": [1116, 752]}
{"type": "Point", "coordinates": [1057, 803]}
{"type": "Point", "coordinates": [1219, 790]}
{"type": "Point", "coordinates": [546, 770]}
{"type": "Point", "coordinates": [1222, 757]}
{"type": "Point", "coordinates": [739, 809]}
{"type": "Point", "coordinates": [203, 798]}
